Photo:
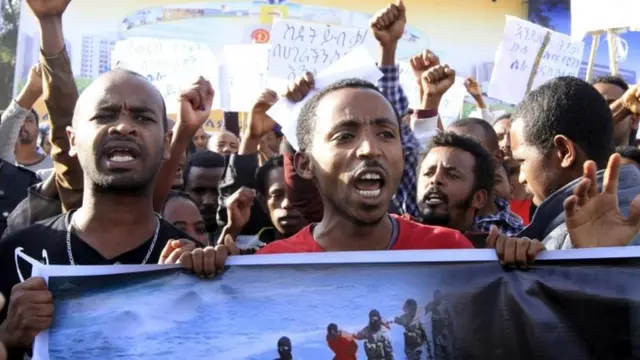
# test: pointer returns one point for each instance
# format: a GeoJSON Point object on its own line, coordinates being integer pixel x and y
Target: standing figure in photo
{"type": "Point", "coordinates": [415, 336]}
{"type": "Point", "coordinates": [285, 350]}
{"type": "Point", "coordinates": [343, 344]}
{"type": "Point", "coordinates": [441, 326]}
{"type": "Point", "coordinates": [377, 344]}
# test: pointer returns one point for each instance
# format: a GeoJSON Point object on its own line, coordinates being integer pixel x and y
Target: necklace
{"type": "Point", "coordinates": [146, 258]}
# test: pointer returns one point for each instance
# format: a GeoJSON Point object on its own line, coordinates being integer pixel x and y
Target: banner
{"type": "Point", "coordinates": [599, 15]}
{"type": "Point", "coordinates": [439, 304]}
{"type": "Point", "coordinates": [528, 56]}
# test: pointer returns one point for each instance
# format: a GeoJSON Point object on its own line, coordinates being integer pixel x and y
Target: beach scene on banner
{"type": "Point", "coordinates": [271, 312]}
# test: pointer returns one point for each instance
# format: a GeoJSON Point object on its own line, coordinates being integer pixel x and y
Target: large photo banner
{"type": "Point", "coordinates": [573, 304]}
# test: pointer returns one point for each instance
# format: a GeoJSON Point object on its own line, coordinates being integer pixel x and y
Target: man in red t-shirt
{"type": "Point", "coordinates": [342, 344]}
{"type": "Point", "coordinates": [349, 145]}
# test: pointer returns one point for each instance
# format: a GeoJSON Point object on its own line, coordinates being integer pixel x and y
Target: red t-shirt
{"type": "Point", "coordinates": [411, 236]}
{"type": "Point", "coordinates": [344, 347]}
{"type": "Point", "coordinates": [521, 208]}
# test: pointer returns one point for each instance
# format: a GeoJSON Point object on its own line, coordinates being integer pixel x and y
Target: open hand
{"type": "Point", "coordinates": [422, 62]}
{"type": "Point", "coordinates": [48, 8]}
{"type": "Point", "coordinates": [259, 122]}
{"type": "Point", "coordinates": [473, 88]}
{"type": "Point", "coordinates": [437, 80]}
{"type": "Point", "coordinates": [195, 105]}
{"type": "Point", "coordinates": [519, 252]}
{"type": "Point", "coordinates": [300, 88]}
{"type": "Point", "coordinates": [594, 219]}
{"type": "Point", "coordinates": [30, 312]}
{"type": "Point", "coordinates": [388, 24]}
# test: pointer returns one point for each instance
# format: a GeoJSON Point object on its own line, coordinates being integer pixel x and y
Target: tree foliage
{"type": "Point", "coordinates": [8, 44]}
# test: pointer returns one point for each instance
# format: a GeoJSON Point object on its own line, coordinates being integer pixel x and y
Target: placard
{"type": "Point", "coordinates": [245, 74]}
{"type": "Point", "coordinates": [528, 49]}
{"type": "Point", "coordinates": [171, 65]}
{"type": "Point", "coordinates": [299, 47]}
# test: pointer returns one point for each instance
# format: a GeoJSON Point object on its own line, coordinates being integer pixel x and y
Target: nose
{"type": "Point", "coordinates": [368, 148]}
{"type": "Point", "coordinates": [521, 178]}
{"type": "Point", "coordinates": [209, 198]}
{"type": "Point", "coordinates": [286, 204]}
{"type": "Point", "coordinates": [124, 126]}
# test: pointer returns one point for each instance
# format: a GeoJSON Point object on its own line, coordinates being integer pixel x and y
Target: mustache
{"type": "Point", "coordinates": [434, 190]}
{"type": "Point", "coordinates": [119, 138]}
{"type": "Point", "coordinates": [368, 164]}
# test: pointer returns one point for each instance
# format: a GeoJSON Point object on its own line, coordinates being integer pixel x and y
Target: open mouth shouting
{"type": "Point", "coordinates": [370, 183]}
{"type": "Point", "coordinates": [121, 154]}
{"type": "Point", "coordinates": [434, 197]}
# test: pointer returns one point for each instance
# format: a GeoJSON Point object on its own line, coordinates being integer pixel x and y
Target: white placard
{"type": "Point", "coordinates": [516, 56]}
{"type": "Point", "coordinates": [357, 64]}
{"type": "Point", "coordinates": [597, 15]}
{"type": "Point", "coordinates": [245, 68]}
{"type": "Point", "coordinates": [409, 84]}
{"type": "Point", "coordinates": [171, 65]}
{"type": "Point", "coordinates": [452, 101]}
{"type": "Point", "coordinates": [299, 47]}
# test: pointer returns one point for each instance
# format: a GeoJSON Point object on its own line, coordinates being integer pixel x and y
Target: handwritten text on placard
{"type": "Point", "coordinates": [299, 47]}
{"type": "Point", "coordinates": [517, 60]}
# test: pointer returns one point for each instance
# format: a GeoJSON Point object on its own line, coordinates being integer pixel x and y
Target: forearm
{"type": "Point", "coordinates": [169, 168]}
{"type": "Point", "coordinates": [619, 111]}
{"type": "Point", "coordinates": [60, 97]}
{"type": "Point", "coordinates": [12, 119]}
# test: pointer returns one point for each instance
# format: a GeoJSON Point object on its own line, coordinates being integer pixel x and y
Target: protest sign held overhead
{"type": "Point", "coordinates": [357, 64]}
{"type": "Point", "coordinates": [599, 15]}
{"type": "Point", "coordinates": [299, 47]}
{"type": "Point", "coordinates": [171, 65]}
{"type": "Point", "coordinates": [530, 55]}
{"type": "Point", "coordinates": [242, 86]}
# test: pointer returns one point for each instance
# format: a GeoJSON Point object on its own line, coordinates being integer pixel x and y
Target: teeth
{"type": "Point", "coordinates": [370, 176]}
{"type": "Point", "coordinates": [370, 193]}
{"type": "Point", "coordinates": [121, 158]}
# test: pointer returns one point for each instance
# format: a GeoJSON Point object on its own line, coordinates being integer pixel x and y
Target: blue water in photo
{"type": "Point", "coordinates": [173, 315]}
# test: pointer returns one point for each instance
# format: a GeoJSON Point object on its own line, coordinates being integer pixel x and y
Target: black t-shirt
{"type": "Point", "coordinates": [45, 241]}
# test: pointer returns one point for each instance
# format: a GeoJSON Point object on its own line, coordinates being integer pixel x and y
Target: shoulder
{"type": "Point", "coordinates": [301, 242]}
{"type": "Point", "coordinates": [168, 232]}
{"type": "Point", "coordinates": [419, 236]}
{"type": "Point", "coordinates": [37, 231]}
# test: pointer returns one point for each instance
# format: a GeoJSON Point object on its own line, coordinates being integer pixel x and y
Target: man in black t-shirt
{"type": "Point", "coordinates": [119, 134]}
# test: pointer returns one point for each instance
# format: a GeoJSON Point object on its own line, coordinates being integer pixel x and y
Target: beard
{"type": "Point", "coordinates": [129, 183]}
{"type": "Point", "coordinates": [25, 137]}
{"type": "Point", "coordinates": [430, 216]}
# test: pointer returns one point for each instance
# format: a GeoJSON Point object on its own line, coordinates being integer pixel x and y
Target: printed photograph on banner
{"type": "Point", "coordinates": [306, 309]}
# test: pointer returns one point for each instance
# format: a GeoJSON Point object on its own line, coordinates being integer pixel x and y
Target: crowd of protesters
{"type": "Point", "coordinates": [112, 180]}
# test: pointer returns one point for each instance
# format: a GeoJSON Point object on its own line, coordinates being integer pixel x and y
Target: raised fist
{"type": "Point", "coordinates": [437, 80]}
{"type": "Point", "coordinates": [388, 24]}
{"type": "Point", "coordinates": [195, 104]}
{"type": "Point", "coordinates": [300, 88]}
{"type": "Point", "coordinates": [422, 62]}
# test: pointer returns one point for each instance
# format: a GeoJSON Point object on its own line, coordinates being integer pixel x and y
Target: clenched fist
{"type": "Point", "coordinates": [437, 80]}
{"type": "Point", "coordinates": [195, 104]}
{"type": "Point", "coordinates": [388, 24]}
{"type": "Point", "coordinates": [422, 62]}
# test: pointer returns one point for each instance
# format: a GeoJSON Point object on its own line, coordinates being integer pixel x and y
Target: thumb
{"type": "Point", "coordinates": [634, 213]}
{"type": "Point", "coordinates": [230, 244]}
{"type": "Point", "coordinates": [493, 236]}
{"type": "Point", "coordinates": [400, 5]}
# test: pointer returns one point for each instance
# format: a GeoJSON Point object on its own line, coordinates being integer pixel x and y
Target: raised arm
{"type": "Point", "coordinates": [60, 97]}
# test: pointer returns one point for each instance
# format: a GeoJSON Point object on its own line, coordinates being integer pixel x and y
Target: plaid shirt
{"type": "Point", "coordinates": [507, 222]}
{"type": "Point", "coordinates": [405, 197]}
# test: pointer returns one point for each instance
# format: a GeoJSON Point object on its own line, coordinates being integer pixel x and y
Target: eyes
{"type": "Point", "coordinates": [347, 136]}
{"type": "Point", "coordinates": [104, 118]}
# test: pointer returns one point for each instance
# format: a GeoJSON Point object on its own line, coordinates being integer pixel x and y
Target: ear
{"type": "Point", "coordinates": [303, 164]}
{"type": "Point", "coordinates": [565, 151]}
{"type": "Point", "coordinates": [479, 199]}
{"type": "Point", "coordinates": [166, 146]}
{"type": "Point", "coordinates": [71, 135]}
